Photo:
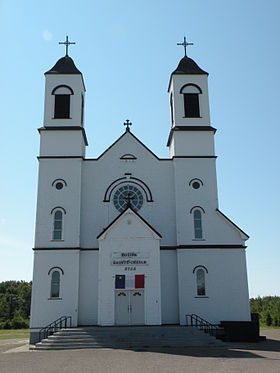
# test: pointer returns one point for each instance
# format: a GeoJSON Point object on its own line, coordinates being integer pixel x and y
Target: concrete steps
{"type": "Point", "coordinates": [134, 337]}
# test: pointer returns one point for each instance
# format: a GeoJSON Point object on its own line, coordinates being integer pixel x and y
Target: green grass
{"type": "Point", "coordinates": [262, 327]}
{"type": "Point", "coordinates": [14, 333]}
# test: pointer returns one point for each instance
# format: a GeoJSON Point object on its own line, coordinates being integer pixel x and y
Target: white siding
{"type": "Point", "coordinates": [169, 287]}
{"type": "Point", "coordinates": [88, 288]}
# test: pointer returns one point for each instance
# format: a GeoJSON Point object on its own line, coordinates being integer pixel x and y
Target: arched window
{"type": "Point", "coordinates": [57, 223]}
{"type": "Point", "coordinates": [197, 224]}
{"type": "Point", "coordinates": [191, 100]}
{"type": "Point", "coordinates": [200, 282]}
{"type": "Point", "coordinates": [62, 101]}
{"type": "Point", "coordinates": [55, 284]}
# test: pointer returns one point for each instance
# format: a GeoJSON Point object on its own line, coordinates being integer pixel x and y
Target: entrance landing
{"type": "Point", "coordinates": [128, 337]}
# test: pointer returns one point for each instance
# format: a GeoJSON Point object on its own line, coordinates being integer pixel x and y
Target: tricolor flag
{"type": "Point", "coordinates": [139, 281]}
{"type": "Point", "coordinates": [120, 282]}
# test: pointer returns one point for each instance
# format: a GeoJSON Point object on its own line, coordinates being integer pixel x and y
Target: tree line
{"type": "Point", "coordinates": [15, 297]}
{"type": "Point", "coordinates": [268, 309]}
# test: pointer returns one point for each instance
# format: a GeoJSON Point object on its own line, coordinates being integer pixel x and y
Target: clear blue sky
{"type": "Point", "coordinates": [126, 51]}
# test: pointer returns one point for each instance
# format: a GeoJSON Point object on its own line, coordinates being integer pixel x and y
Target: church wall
{"type": "Point", "coordinates": [88, 288]}
{"type": "Point", "coordinates": [62, 143]}
{"type": "Point", "coordinates": [169, 287]}
{"type": "Point", "coordinates": [215, 229]}
{"type": "Point", "coordinates": [192, 143]}
{"type": "Point", "coordinates": [227, 295]}
{"type": "Point", "coordinates": [69, 198]}
{"type": "Point", "coordinates": [45, 309]}
{"type": "Point", "coordinates": [158, 175]}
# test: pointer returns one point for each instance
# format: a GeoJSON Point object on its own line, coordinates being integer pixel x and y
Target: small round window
{"type": "Point", "coordinates": [59, 185]}
{"type": "Point", "coordinates": [128, 194]}
{"type": "Point", "coordinates": [196, 185]}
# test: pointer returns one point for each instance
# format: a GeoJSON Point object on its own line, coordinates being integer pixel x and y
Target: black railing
{"type": "Point", "coordinates": [62, 322]}
{"type": "Point", "coordinates": [201, 324]}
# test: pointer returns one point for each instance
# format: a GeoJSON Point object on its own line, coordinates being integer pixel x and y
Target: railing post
{"type": "Point", "coordinates": [54, 326]}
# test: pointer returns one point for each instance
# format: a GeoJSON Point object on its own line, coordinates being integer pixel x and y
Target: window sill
{"type": "Point", "coordinates": [57, 240]}
{"type": "Point", "coordinates": [201, 296]}
{"type": "Point", "coordinates": [192, 117]}
{"type": "Point", "coordinates": [62, 118]}
{"type": "Point", "coordinates": [198, 239]}
{"type": "Point", "coordinates": [54, 298]}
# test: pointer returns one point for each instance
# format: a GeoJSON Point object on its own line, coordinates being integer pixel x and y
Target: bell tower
{"type": "Point", "coordinates": [191, 133]}
{"type": "Point", "coordinates": [63, 129]}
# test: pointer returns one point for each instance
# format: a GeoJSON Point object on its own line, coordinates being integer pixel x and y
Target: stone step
{"type": "Point", "coordinates": [121, 340]}
{"type": "Point", "coordinates": [127, 337]}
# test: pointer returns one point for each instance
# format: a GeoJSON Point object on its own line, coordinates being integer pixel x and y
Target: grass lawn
{"type": "Point", "coordinates": [263, 327]}
{"type": "Point", "coordinates": [14, 333]}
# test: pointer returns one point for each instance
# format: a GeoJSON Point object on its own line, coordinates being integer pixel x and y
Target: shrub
{"type": "Point", "coordinates": [18, 322]}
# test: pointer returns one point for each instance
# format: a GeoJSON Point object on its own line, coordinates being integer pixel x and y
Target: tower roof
{"type": "Point", "coordinates": [188, 66]}
{"type": "Point", "coordinates": [64, 65]}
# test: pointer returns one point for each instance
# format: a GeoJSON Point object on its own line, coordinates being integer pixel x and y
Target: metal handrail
{"type": "Point", "coordinates": [201, 323]}
{"type": "Point", "coordinates": [61, 322]}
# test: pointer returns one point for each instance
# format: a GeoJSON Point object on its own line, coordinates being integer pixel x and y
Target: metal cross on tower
{"type": "Point", "coordinates": [66, 43]}
{"type": "Point", "coordinates": [185, 44]}
{"type": "Point", "coordinates": [127, 123]}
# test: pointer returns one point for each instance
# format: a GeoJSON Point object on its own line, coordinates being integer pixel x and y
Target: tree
{"type": "Point", "coordinates": [15, 298]}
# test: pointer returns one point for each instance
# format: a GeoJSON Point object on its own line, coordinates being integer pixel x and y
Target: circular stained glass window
{"type": "Point", "coordinates": [128, 194]}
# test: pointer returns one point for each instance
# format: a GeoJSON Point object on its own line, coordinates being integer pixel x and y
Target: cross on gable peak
{"type": "Point", "coordinates": [127, 123]}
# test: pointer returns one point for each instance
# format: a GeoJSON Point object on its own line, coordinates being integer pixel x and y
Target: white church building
{"type": "Point", "coordinates": [129, 238]}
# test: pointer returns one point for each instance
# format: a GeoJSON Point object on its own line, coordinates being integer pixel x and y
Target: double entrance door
{"type": "Point", "coordinates": [129, 307]}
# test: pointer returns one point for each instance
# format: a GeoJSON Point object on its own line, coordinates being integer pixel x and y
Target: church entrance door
{"type": "Point", "coordinates": [129, 307]}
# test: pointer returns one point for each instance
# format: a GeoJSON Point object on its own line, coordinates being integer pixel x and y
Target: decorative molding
{"type": "Point", "coordinates": [203, 246]}
{"type": "Point", "coordinates": [62, 180]}
{"type": "Point", "coordinates": [128, 157]}
{"type": "Point", "coordinates": [55, 248]}
{"type": "Point", "coordinates": [206, 246]}
{"type": "Point", "coordinates": [65, 128]}
{"type": "Point", "coordinates": [62, 86]}
{"type": "Point", "coordinates": [189, 128]}
{"type": "Point", "coordinates": [191, 85]}
{"type": "Point", "coordinates": [59, 157]}
{"type": "Point", "coordinates": [58, 208]}
{"type": "Point", "coordinates": [200, 266]}
{"type": "Point", "coordinates": [195, 179]}
{"type": "Point", "coordinates": [128, 180]}
{"type": "Point", "coordinates": [61, 270]}
{"type": "Point", "coordinates": [197, 207]}
{"type": "Point", "coordinates": [139, 216]}
{"type": "Point", "coordinates": [231, 222]}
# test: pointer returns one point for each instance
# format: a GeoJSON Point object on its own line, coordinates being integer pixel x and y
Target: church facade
{"type": "Point", "coordinates": [129, 238]}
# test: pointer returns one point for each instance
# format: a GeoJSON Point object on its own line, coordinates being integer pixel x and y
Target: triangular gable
{"type": "Point", "coordinates": [243, 234]}
{"type": "Point", "coordinates": [119, 217]}
{"type": "Point", "coordinates": [128, 133]}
